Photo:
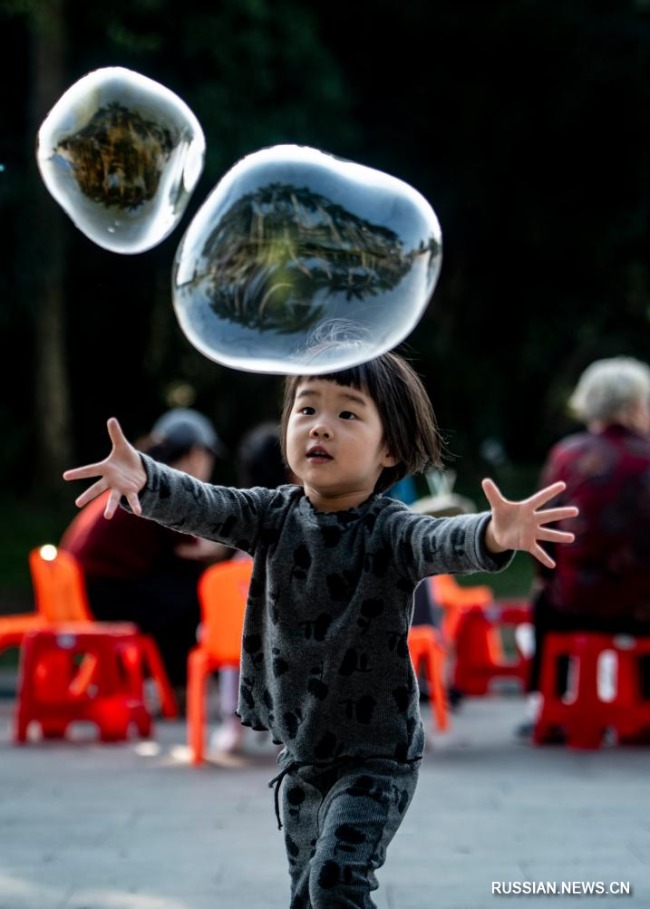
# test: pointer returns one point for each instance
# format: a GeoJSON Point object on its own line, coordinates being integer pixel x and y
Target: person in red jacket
{"type": "Point", "coordinates": [139, 571]}
{"type": "Point", "coordinates": [602, 581]}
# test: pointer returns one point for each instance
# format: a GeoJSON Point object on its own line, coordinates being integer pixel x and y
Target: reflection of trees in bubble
{"type": "Point", "coordinates": [118, 156]}
{"type": "Point", "coordinates": [277, 247]}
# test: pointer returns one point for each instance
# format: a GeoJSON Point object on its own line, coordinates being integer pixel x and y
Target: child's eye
{"type": "Point", "coordinates": [307, 411]}
{"type": "Point", "coordinates": [347, 415]}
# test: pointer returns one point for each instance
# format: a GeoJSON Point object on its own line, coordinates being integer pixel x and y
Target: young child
{"type": "Point", "coordinates": [325, 663]}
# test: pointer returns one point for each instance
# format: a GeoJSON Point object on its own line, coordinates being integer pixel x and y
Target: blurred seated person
{"type": "Point", "coordinates": [140, 571]}
{"type": "Point", "coordinates": [602, 580]}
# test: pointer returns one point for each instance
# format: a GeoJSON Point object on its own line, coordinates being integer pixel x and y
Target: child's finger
{"type": "Point", "coordinates": [492, 491]}
{"type": "Point", "coordinates": [542, 556]}
{"type": "Point", "coordinates": [558, 514]}
{"type": "Point", "coordinates": [91, 493]}
{"type": "Point", "coordinates": [117, 437]}
{"type": "Point", "coordinates": [82, 473]}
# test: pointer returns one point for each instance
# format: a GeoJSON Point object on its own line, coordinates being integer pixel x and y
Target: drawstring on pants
{"type": "Point", "coordinates": [277, 782]}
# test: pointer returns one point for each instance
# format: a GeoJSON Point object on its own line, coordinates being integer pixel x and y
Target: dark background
{"type": "Point", "coordinates": [525, 124]}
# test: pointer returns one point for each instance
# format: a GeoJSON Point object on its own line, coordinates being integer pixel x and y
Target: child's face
{"type": "Point", "coordinates": [335, 444]}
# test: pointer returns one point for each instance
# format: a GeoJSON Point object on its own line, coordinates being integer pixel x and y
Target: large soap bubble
{"type": "Point", "coordinates": [121, 154]}
{"type": "Point", "coordinates": [300, 262]}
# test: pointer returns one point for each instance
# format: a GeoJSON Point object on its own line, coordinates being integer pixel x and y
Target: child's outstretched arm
{"type": "Point", "coordinates": [521, 525]}
{"type": "Point", "coordinates": [121, 472]}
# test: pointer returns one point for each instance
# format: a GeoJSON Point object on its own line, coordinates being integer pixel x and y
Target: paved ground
{"type": "Point", "coordinates": [135, 826]}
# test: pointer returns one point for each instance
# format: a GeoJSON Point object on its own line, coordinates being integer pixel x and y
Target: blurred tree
{"type": "Point", "coordinates": [255, 74]}
{"type": "Point", "coordinates": [525, 123]}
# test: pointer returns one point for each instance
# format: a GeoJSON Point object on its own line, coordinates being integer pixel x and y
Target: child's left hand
{"type": "Point", "coordinates": [521, 525]}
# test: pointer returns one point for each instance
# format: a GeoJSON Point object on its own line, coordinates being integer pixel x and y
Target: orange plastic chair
{"type": "Point", "coordinates": [66, 605]}
{"type": "Point", "coordinates": [13, 628]}
{"type": "Point", "coordinates": [60, 595]}
{"type": "Point", "coordinates": [223, 591]}
{"type": "Point", "coordinates": [427, 654]}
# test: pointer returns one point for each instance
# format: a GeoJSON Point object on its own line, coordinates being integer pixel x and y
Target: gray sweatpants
{"type": "Point", "coordinates": [338, 822]}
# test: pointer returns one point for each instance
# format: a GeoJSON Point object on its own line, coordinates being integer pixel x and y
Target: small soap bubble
{"type": "Point", "coordinates": [302, 262]}
{"type": "Point", "coordinates": [121, 154]}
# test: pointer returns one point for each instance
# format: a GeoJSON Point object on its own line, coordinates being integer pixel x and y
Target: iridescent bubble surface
{"type": "Point", "coordinates": [121, 154]}
{"type": "Point", "coordinates": [301, 262]}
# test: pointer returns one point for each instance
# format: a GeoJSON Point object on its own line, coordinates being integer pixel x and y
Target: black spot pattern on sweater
{"type": "Point", "coordinates": [347, 837]}
{"type": "Point", "coordinates": [246, 692]}
{"type": "Point", "coordinates": [292, 848]}
{"type": "Point", "coordinates": [326, 748]}
{"type": "Point", "coordinates": [402, 697]}
{"type": "Point", "coordinates": [377, 563]}
{"type": "Point", "coordinates": [292, 721]}
{"type": "Point", "coordinates": [360, 709]}
{"type": "Point", "coordinates": [279, 665]}
{"type": "Point", "coordinates": [332, 874]}
{"type": "Point", "coordinates": [317, 628]}
{"type": "Point", "coordinates": [269, 536]}
{"type": "Point", "coordinates": [398, 641]}
{"type": "Point", "coordinates": [332, 536]}
{"type": "Point", "coordinates": [353, 661]}
{"type": "Point", "coordinates": [315, 686]}
{"type": "Point", "coordinates": [252, 644]}
{"type": "Point", "coordinates": [370, 609]}
{"type": "Point", "coordinates": [301, 562]}
{"type": "Point", "coordinates": [267, 699]}
{"type": "Point", "coordinates": [339, 585]}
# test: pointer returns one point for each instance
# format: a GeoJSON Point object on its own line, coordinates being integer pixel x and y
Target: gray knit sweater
{"type": "Point", "coordinates": [325, 664]}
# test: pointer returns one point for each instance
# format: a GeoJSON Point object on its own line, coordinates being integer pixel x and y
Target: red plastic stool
{"type": "Point", "coordinates": [82, 672]}
{"type": "Point", "coordinates": [480, 657]}
{"type": "Point", "coordinates": [583, 713]}
{"type": "Point", "coordinates": [631, 710]}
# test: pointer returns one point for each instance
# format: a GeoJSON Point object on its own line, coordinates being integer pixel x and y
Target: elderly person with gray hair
{"type": "Point", "coordinates": [602, 580]}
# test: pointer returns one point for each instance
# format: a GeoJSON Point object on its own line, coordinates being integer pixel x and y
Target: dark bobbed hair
{"type": "Point", "coordinates": [410, 429]}
{"type": "Point", "coordinates": [259, 457]}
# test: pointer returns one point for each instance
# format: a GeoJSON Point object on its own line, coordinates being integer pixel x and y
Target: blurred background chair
{"type": "Point", "coordinates": [489, 646]}
{"type": "Point", "coordinates": [590, 685]}
{"type": "Point", "coordinates": [428, 656]}
{"type": "Point", "coordinates": [62, 601]}
{"type": "Point", "coordinates": [454, 599]}
{"type": "Point", "coordinates": [223, 592]}
{"type": "Point", "coordinates": [82, 672]}
{"type": "Point", "coordinates": [60, 597]}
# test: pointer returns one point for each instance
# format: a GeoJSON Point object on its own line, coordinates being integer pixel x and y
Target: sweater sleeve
{"type": "Point", "coordinates": [179, 501]}
{"type": "Point", "coordinates": [452, 545]}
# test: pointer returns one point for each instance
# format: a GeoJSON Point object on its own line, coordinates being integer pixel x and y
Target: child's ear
{"type": "Point", "coordinates": [388, 459]}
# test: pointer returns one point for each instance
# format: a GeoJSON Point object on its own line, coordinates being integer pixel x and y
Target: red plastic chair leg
{"type": "Point", "coordinates": [154, 663]}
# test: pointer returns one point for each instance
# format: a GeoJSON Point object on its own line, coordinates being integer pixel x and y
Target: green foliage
{"type": "Point", "coordinates": [525, 123]}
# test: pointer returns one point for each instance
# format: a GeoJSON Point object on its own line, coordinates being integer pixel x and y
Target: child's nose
{"type": "Point", "coordinates": [320, 430]}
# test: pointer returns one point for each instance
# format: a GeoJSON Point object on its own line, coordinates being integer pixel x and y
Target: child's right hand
{"type": "Point", "coordinates": [121, 472]}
